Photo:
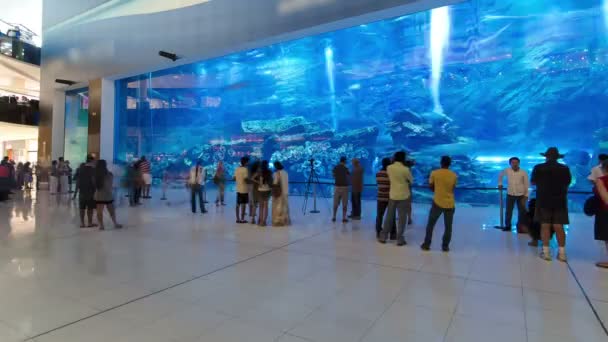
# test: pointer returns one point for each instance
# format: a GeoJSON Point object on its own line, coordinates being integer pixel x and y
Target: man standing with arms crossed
{"type": "Point", "coordinates": [357, 189]}
{"type": "Point", "coordinates": [517, 191]}
{"type": "Point", "coordinates": [442, 183]}
{"type": "Point", "coordinates": [341, 175]}
{"type": "Point", "coordinates": [145, 168]}
{"type": "Point", "coordinates": [552, 180]}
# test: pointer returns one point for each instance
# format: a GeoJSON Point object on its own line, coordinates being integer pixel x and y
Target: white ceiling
{"type": "Point", "coordinates": [19, 77]}
{"type": "Point", "coordinates": [9, 132]}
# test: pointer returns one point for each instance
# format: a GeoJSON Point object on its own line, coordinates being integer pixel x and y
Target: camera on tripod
{"type": "Point", "coordinates": [311, 184]}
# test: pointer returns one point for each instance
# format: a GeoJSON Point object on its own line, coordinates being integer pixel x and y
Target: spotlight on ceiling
{"type": "Point", "coordinates": [67, 82]}
{"type": "Point", "coordinates": [168, 55]}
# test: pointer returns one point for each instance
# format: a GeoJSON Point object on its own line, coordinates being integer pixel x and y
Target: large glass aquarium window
{"type": "Point", "coordinates": [480, 81]}
{"type": "Point", "coordinates": [76, 125]}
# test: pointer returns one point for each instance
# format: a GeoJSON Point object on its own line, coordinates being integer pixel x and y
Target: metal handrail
{"type": "Point", "coordinates": [415, 186]}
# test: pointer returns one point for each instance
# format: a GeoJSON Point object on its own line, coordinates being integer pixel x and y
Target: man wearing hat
{"type": "Point", "coordinates": [552, 180]}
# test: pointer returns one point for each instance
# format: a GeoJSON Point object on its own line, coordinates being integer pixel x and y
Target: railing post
{"type": "Point", "coordinates": [314, 199]}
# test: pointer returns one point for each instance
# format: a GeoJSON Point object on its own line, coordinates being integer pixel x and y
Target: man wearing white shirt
{"type": "Point", "coordinates": [196, 182]}
{"type": "Point", "coordinates": [597, 171]}
{"type": "Point", "coordinates": [517, 191]}
{"type": "Point", "coordinates": [241, 176]}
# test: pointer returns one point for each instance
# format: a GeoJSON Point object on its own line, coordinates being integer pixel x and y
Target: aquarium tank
{"type": "Point", "coordinates": [481, 81]}
{"type": "Point", "coordinates": [76, 125]}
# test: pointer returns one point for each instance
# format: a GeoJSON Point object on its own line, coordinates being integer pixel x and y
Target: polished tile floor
{"type": "Point", "coordinates": [172, 276]}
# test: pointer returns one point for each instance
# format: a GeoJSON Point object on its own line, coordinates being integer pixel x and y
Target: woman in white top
{"type": "Point", "coordinates": [280, 200]}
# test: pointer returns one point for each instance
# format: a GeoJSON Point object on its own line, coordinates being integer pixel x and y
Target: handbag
{"type": "Point", "coordinates": [592, 206]}
{"type": "Point", "coordinates": [277, 191]}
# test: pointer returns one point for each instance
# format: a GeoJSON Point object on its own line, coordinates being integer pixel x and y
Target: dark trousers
{"type": "Point", "coordinates": [197, 190]}
{"type": "Point", "coordinates": [356, 204]}
{"type": "Point", "coordinates": [521, 209]}
{"type": "Point", "coordinates": [137, 194]}
{"type": "Point", "coordinates": [381, 210]}
{"type": "Point", "coordinates": [134, 195]}
{"type": "Point", "coordinates": [448, 219]}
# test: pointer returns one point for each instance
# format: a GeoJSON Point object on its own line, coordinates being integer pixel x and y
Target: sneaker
{"type": "Point", "coordinates": [545, 256]}
{"type": "Point", "coordinates": [382, 241]}
{"type": "Point", "coordinates": [333, 219]}
{"type": "Point", "coordinates": [506, 229]}
{"type": "Point", "coordinates": [445, 248]}
{"type": "Point", "coordinates": [562, 257]}
{"type": "Point", "coordinates": [401, 242]}
{"type": "Point", "coordinates": [425, 247]}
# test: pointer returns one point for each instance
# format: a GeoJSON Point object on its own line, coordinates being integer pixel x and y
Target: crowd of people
{"type": "Point", "coordinates": [256, 185]}
{"type": "Point", "coordinates": [263, 194]}
{"type": "Point", "coordinates": [544, 216]}
{"type": "Point", "coordinates": [18, 176]}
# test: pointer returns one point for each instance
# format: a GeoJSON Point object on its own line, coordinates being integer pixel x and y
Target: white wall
{"type": "Point", "coordinates": [58, 129]}
{"type": "Point", "coordinates": [107, 120]}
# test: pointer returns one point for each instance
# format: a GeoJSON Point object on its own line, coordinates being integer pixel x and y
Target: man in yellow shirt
{"type": "Point", "coordinates": [442, 182]}
{"type": "Point", "coordinates": [400, 179]}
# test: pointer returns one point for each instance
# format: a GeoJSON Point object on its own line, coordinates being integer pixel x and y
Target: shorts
{"type": "Point", "coordinates": [242, 198]}
{"type": "Point", "coordinates": [254, 196]}
{"type": "Point", "coordinates": [551, 216]}
{"type": "Point", "coordinates": [86, 204]}
{"type": "Point", "coordinates": [340, 195]}
{"type": "Point", "coordinates": [147, 178]}
{"type": "Point", "coordinates": [600, 230]}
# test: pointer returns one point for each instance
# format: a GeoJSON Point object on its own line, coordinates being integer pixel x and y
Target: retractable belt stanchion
{"type": "Point", "coordinates": [164, 198]}
{"type": "Point", "coordinates": [502, 210]}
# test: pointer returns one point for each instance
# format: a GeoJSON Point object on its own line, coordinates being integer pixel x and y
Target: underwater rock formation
{"type": "Point", "coordinates": [287, 125]}
{"type": "Point", "coordinates": [363, 137]}
{"type": "Point", "coordinates": [601, 136]}
{"type": "Point", "coordinates": [412, 129]}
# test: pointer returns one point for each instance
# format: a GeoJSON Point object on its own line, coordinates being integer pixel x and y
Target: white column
{"type": "Point", "coordinates": [58, 125]}
{"type": "Point", "coordinates": [107, 121]}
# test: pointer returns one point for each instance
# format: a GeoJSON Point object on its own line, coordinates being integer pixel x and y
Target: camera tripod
{"type": "Point", "coordinates": [313, 181]}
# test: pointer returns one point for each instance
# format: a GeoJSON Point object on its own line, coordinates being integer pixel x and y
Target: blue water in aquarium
{"type": "Point", "coordinates": [76, 125]}
{"type": "Point", "coordinates": [480, 81]}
